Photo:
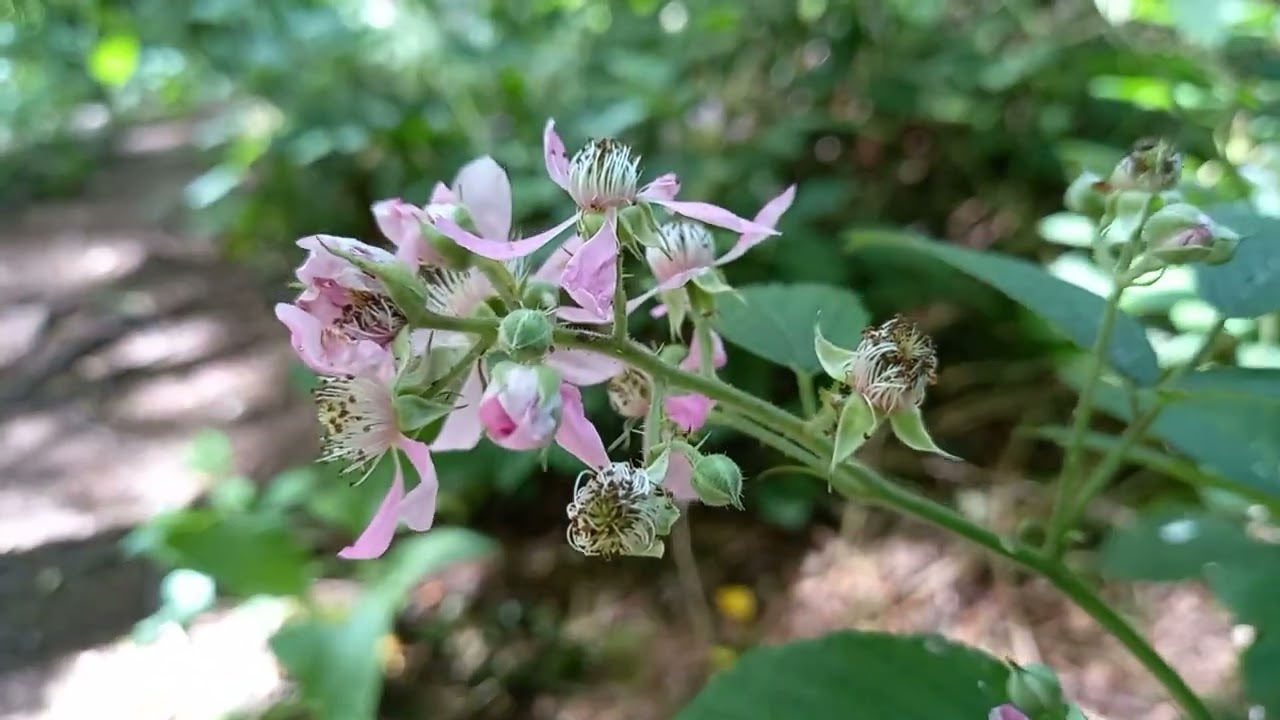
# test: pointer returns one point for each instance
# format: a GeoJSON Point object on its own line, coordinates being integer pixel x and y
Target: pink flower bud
{"type": "Point", "coordinates": [1006, 712]}
{"type": "Point", "coordinates": [521, 409]}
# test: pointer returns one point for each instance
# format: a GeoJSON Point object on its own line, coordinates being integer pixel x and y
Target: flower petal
{"type": "Point", "coordinates": [577, 434]}
{"type": "Point", "coordinates": [664, 187]}
{"type": "Point", "coordinates": [693, 361]}
{"type": "Point", "coordinates": [484, 190]}
{"type": "Point", "coordinates": [399, 221]}
{"type": "Point", "coordinates": [306, 334]}
{"type": "Point", "coordinates": [377, 535]}
{"type": "Point", "coordinates": [577, 315]}
{"type": "Point", "coordinates": [418, 508]}
{"type": "Point", "coordinates": [591, 276]}
{"type": "Point", "coordinates": [497, 249]}
{"type": "Point", "coordinates": [679, 478]}
{"type": "Point", "coordinates": [462, 429]}
{"type": "Point", "coordinates": [714, 215]}
{"type": "Point", "coordinates": [583, 367]}
{"type": "Point", "coordinates": [767, 217]}
{"type": "Point", "coordinates": [554, 153]}
{"type": "Point", "coordinates": [553, 268]}
{"type": "Point", "coordinates": [442, 195]}
{"type": "Point", "coordinates": [689, 412]}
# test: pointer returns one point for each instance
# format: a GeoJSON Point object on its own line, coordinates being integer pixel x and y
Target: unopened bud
{"type": "Point", "coordinates": [525, 334]}
{"type": "Point", "coordinates": [1180, 233]}
{"type": "Point", "coordinates": [1151, 165]}
{"type": "Point", "coordinates": [1035, 690]}
{"type": "Point", "coordinates": [1086, 195]}
{"type": "Point", "coordinates": [540, 295]}
{"type": "Point", "coordinates": [718, 481]}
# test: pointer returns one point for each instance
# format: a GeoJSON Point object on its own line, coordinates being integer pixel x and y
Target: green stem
{"type": "Point", "coordinates": [619, 304]}
{"type": "Point", "coordinates": [504, 283]}
{"type": "Point", "coordinates": [706, 346]}
{"type": "Point", "coordinates": [1115, 457]}
{"type": "Point", "coordinates": [786, 433]}
{"type": "Point", "coordinates": [808, 396]}
{"type": "Point", "coordinates": [653, 419]}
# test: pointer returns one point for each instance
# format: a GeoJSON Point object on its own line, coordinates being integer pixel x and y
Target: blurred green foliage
{"type": "Point", "coordinates": [960, 121]}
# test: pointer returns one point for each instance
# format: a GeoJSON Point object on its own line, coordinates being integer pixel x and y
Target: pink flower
{"type": "Point", "coordinates": [679, 477]}
{"type": "Point", "coordinates": [521, 407]}
{"type": "Point", "coordinates": [689, 411]}
{"type": "Point", "coordinates": [688, 250]}
{"type": "Point", "coordinates": [481, 190]}
{"type": "Point", "coordinates": [343, 320]}
{"type": "Point", "coordinates": [602, 178]}
{"type": "Point", "coordinates": [359, 418]}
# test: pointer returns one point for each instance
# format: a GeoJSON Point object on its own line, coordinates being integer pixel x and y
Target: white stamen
{"type": "Point", "coordinates": [617, 510]}
{"type": "Point", "coordinates": [604, 174]}
{"type": "Point", "coordinates": [359, 419]}
{"type": "Point", "coordinates": [685, 246]}
{"type": "Point", "coordinates": [893, 365]}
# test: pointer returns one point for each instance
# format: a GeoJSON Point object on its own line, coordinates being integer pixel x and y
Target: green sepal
{"type": "Point", "coordinates": [857, 421]}
{"type": "Point", "coordinates": [908, 425]}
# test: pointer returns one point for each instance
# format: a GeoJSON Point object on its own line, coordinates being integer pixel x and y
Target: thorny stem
{"type": "Point", "coordinates": [706, 350]}
{"type": "Point", "coordinates": [783, 431]}
{"type": "Point", "coordinates": [1110, 463]}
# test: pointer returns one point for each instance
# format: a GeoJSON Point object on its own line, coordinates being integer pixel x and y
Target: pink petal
{"type": "Point", "coordinates": [462, 428]}
{"type": "Point", "coordinates": [377, 535]}
{"type": "Point", "coordinates": [497, 249]}
{"type": "Point", "coordinates": [577, 434]}
{"type": "Point", "coordinates": [693, 361]}
{"type": "Point", "coordinates": [665, 187]}
{"type": "Point", "coordinates": [680, 279]}
{"type": "Point", "coordinates": [306, 334]}
{"type": "Point", "coordinates": [577, 315]}
{"type": "Point", "coordinates": [1006, 712]}
{"type": "Point", "coordinates": [767, 217]}
{"type": "Point", "coordinates": [554, 153]}
{"type": "Point", "coordinates": [498, 424]}
{"type": "Point", "coordinates": [399, 221]}
{"type": "Point", "coordinates": [442, 195]}
{"type": "Point", "coordinates": [713, 215]}
{"type": "Point", "coordinates": [658, 310]}
{"type": "Point", "coordinates": [553, 268]}
{"type": "Point", "coordinates": [688, 412]}
{"type": "Point", "coordinates": [591, 276]}
{"type": "Point", "coordinates": [583, 367]}
{"type": "Point", "coordinates": [679, 478]}
{"type": "Point", "coordinates": [484, 190]}
{"type": "Point", "coordinates": [418, 508]}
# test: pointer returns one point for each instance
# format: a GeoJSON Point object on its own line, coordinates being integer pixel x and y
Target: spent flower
{"type": "Point", "coordinates": [620, 509]}
{"type": "Point", "coordinates": [887, 376]}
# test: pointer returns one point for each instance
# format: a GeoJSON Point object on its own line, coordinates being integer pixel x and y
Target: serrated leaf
{"type": "Point", "coordinates": [1075, 312]}
{"type": "Point", "coordinates": [776, 321]}
{"type": "Point", "coordinates": [1248, 285]}
{"type": "Point", "coordinates": [855, 676]}
{"type": "Point", "coordinates": [336, 663]}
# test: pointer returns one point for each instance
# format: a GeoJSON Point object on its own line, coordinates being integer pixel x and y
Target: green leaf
{"type": "Point", "coordinates": [1248, 285]}
{"type": "Point", "coordinates": [1175, 545]}
{"type": "Point", "coordinates": [212, 453]}
{"type": "Point", "coordinates": [247, 555]}
{"type": "Point", "coordinates": [335, 663]}
{"type": "Point", "coordinates": [1075, 312]}
{"type": "Point", "coordinates": [1227, 420]}
{"type": "Point", "coordinates": [1260, 666]}
{"type": "Point", "coordinates": [855, 676]}
{"type": "Point", "coordinates": [776, 321]}
{"type": "Point", "coordinates": [114, 59]}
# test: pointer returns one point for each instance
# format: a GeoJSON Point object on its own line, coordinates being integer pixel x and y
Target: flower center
{"type": "Point", "coordinates": [617, 510]}
{"type": "Point", "coordinates": [371, 316]}
{"type": "Point", "coordinates": [358, 417]}
{"type": "Point", "coordinates": [604, 174]}
{"type": "Point", "coordinates": [629, 394]}
{"type": "Point", "coordinates": [893, 365]}
{"type": "Point", "coordinates": [685, 246]}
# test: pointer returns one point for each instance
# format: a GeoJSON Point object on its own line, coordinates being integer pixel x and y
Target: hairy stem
{"type": "Point", "coordinates": [619, 303]}
{"type": "Point", "coordinates": [808, 396]}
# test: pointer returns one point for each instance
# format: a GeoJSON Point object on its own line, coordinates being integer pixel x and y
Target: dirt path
{"type": "Point", "coordinates": [118, 341]}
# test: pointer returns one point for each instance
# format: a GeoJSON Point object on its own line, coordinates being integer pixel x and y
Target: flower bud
{"type": "Point", "coordinates": [1035, 690]}
{"type": "Point", "coordinates": [1007, 712]}
{"type": "Point", "coordinates": [521, 408]}
{"type": "Point", "coordinates": [1151, 165]}
{"type": "Point", "coordinates": [1086, 195]}
{"type": "Point", "coordinates": [541, 295]}
{"type": "Point", "coordinates": [718, 481]}
{"type": "Point", "coordinates": [525, 334]}
{"type": "Point", "coordinates": [1180, 233]}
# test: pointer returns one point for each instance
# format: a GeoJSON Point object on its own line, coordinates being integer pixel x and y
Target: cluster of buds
{"type": "Point", "coordinates": [884, 377]}
{"type": "Point", "coordinates": [391, 386]}
{"type": "Point", "coordinates": [1142, 217]}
